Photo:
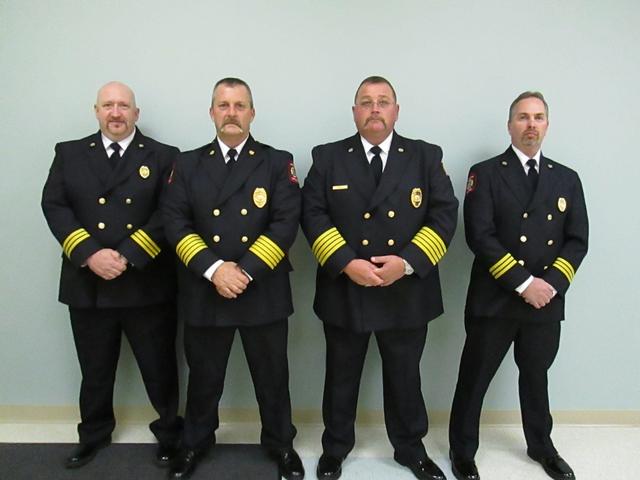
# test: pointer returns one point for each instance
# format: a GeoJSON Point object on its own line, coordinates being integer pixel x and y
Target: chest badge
{"type": "Point", "coordinates": [416, 197]}
{"type": "Point", "coordinates": [260, 197]}
{"type": "Point", "coordinates": [562, 204]}
{"type": "Point", "coordinates": [144, 171]}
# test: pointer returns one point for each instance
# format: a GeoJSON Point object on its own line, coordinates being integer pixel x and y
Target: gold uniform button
{"type": "Point", "coordinates": [367, 216]}
{"type": "Point", "coordinates": [128, 201]}
{"type": "Point", "coordinates": [523, 238]}
{"type": "Point", "coordinates": [391, 214]}
{"type": "Point", "coordinates": [102, 200]}
{"type": "Point", "coordinates": [129, 226]}
{"type": "Point", "coordinates": [550, 242]}
{"type": "Point", "coordinates": [546, 266]}
{"type": "Point", "coordinates": [216, 238]}
{"type": "Point", "coordinates": [101, 225]}
{"type": "Point", "coordinates": [216, 212]}
{"type": "Point", "coordinates": [243, 211]}
{"type": "Point", "coordinates": [244, 239]}
{"type": "Point", "coordinates": [521, 262]}
{"type": "Point", "coordinates": [391, 242]}
{"type": "Point", "coordinates": [549, 217]}
{"type": "Point", "coordinates": [525, 215]}
{"type": "Point", "coordinates": [365, 242]}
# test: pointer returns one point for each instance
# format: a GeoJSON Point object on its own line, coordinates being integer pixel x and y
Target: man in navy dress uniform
{"type": "Point", "coordinates": [101, 201]}
{"type": "Point", "coordinates": [526, 222]}
{"type": "Point", "coordinates": [379, 213]}
{"type": "Point", "coordinates": [232, 212]}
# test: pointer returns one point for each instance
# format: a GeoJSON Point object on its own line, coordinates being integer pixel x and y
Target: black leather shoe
{"type": "Point", "coordinates": [289, 464]}
{"type": "Point", "coordinates": [555, 467]}
{"type": "Point", "coordinates": [423, 469]}
{"type": "Point", "coordinates": [84, 453]}
{"type": "Point", "coordinates": [184, 463]}
{"type": "Point", "coordinates": [165, 454]}
{"type": "Point", "coordinates": [463, 469]}
{"type": "Point", "coordinates": [329, 468]}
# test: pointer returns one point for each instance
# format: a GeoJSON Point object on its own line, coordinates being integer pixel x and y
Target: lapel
{"type": "Point", "coordinates": [397, 161]}
{"type": "Point", "coordinates": [250, 157]}
{"type": "Point", "coordinates": [546, 182]}
{"type": "Point", "coordinates": [132, 161]}
{"type": "Point", "coordinates": [513, 174]}
{"type": "Point", "coordinates": [357, 167]}
{"type": "Point", "coordinates": [212, 163]}
{"type": "Point", "coordinates": [97, 159]}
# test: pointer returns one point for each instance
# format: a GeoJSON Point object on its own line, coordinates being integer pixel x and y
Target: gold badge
{"type": "Point", "coordinates": [562, 204]}
{"type": "Point", "coordinates": [260, 197]}
{"type": "Point", "coordinates": [144, 171]}
{"type": "Point", "coordinates": [416, 197]}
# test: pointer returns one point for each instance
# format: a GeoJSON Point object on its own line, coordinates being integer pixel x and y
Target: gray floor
{"type": "Point", "coordinates": [595, 452]}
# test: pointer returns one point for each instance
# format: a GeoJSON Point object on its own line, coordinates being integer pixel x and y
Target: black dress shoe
{"type": "Point", "coordinates": [463, 469]}
{"type": "Point", "coordinates": [555, 467]}
{"type": "Point", "coordinates": [84, 453]}
{"type": "Point", "coordinates": [289, 464]}
{"type": "Point", "coordinates": [329, 468]}
{"type": "Point", "coordinates": [423, 469]}
{"type": "Point", "coordinates": [165, 454]}
{"type": "Point", "coordinates": [184, 463]}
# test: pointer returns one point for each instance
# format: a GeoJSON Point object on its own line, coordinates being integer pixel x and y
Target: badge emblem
{"type": "Point", "coordinates": [471, 182]}
{"type": "Point", "coordinates": [416, 197]}
{"type": "Point", "coordinates": [562, 204]}
{"type": "Point", "coordinates": [144, 171]}
{"type": "Point", "coordinates": [260, 197]}
{"type": "Point", "coordinates": [293, 178]}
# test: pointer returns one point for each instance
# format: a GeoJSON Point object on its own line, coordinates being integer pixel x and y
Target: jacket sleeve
{"type": "Point", "coordinates": [430, 242]}
{"type": "Point", "coordinates": [143, 245]}
{"type": "Point", "coordinates": [575, 243]}
{"type": "Point", "coordinates": [77, 243]}
{"type": "Point", "coordinates": [482, 235]}
{"type": "Point", "coordinates": [271, 247]}
{"type": "Point", "coordinates": [327, 243]}
{"type": "Point", "coordinates": [178, 218]}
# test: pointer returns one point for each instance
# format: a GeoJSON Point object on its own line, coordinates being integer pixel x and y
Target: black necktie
{"type": "Point", "coordinates": [376, 163]}
{"type": "Point", "coordinates": [532, 175]}
{"type": "Point", "coordinates": [115, 156]}
{"type": "Point", "coordinates": [233, 153]}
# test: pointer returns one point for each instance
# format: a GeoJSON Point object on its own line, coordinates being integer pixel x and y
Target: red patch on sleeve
{"type": "Point", "coordinates": [293, 178]}
{"type": "Point", "coordinates": [170, 179]}
{"type": "Point", "coordinates": [472, 183]}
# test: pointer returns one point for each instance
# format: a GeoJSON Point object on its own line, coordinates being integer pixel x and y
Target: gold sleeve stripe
{"type": "Point", "coordinates": [73, 240]}
{"type": "Point", "coordinates": [327, 244]}
{"type": "Point", "coordinates": [267, 251]}
{"type": "Point", "coordinates": [430, 243]}
{"type": "Point", "coordinates": [146, 243]}
{"type": "Point", "coordinates": [502, 266]}
{"type": "Point", "coordinates": [565, 267]}
{"type": "Point", "coordinates": [189, 246]}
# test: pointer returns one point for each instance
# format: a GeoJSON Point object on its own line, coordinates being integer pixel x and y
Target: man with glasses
{"type": "Point", "coordinates": [379, 212]}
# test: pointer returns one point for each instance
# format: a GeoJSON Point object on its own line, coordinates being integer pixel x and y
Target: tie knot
{"type": "Point", "coordinates": [115, 147]}
{"type": "Point", "coordinates": [375, 150]}
{"type": "Point", "coordinates": [531, 163]}
{"type": "Point", "coordinates": [233, 153]}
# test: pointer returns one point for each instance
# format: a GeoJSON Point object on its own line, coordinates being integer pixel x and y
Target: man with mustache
{"type": "Point", "coordinates": [526, 222]}
{"type": "Point", "coordinates": [379, 212]}
{"type": "Point", "coordinates": [101, 203]}
{"type": "Point", "coordinates": [232, 212]}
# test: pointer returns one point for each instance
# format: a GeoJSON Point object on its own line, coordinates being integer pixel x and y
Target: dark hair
{"type": "Point", "coordinates": [375, 79]}
{"type": "Point", "coordinates": [232, 82]}
{"type": "Point", "coordinates": [528, 94]}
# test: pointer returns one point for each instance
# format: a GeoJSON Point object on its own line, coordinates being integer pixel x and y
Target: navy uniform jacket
{"type": "Point", "coordinates": [90, 206]}
{"type": "Point", "coordinates": [412, 213]}
{"type": "Point", "coordinates": [514, 237]}
{"type": "Point", "coordinates": [249, 217]}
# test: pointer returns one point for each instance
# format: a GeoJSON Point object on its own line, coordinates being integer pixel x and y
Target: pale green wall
{"type": "Point", "coordinates": [456, 66]}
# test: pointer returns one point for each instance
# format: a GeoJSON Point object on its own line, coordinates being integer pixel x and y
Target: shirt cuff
{"type": "Point", "coordinates": [208, 273]}
{"type": "Point", "coordinates": [523, 286]}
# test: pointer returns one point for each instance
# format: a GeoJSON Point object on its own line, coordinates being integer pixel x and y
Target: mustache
{"type": "Point", "coordinates": [231, 121]}
{"type": "Point", "coordinates": [370, 119]}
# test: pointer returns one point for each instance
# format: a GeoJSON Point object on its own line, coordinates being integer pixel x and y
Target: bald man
{"type": "Point", "coordinates": [101, 203]}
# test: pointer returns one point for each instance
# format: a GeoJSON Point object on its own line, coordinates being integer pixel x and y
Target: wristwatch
{"type": "Point", "coordinates": [408, 269]}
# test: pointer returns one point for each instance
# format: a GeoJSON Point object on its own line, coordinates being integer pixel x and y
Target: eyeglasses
{"type": "Point", "coordinates": [369, 104]}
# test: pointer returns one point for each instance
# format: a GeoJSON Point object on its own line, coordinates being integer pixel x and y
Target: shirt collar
{"type": "Point", "coordinates": [385, 146]}
{"type": "Point", "coordinates": [524, 159]}
{"type": "Point", "coordinates": [224, 148]}
{"type": "Point", "coordinates": [124, 143]}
